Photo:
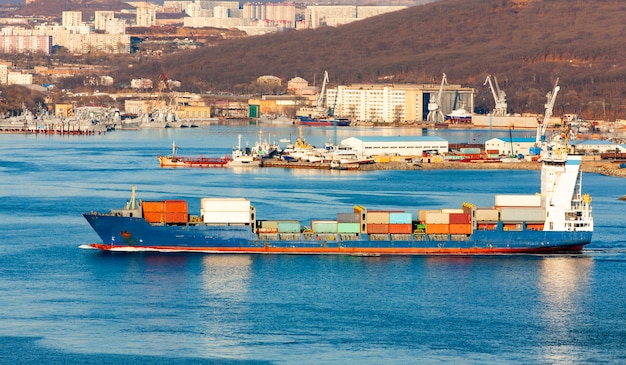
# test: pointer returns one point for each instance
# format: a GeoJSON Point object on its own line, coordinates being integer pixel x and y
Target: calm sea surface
{"type": "Point", "coordinates": [60, 304]}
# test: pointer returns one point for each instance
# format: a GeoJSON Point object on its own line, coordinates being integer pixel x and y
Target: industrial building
{"type": "Point", "coordinates": [396, 145]}
{"type": "Point", "coordinates": [511, 147]}
{"type": "Point", "coordinates": [390, 103]}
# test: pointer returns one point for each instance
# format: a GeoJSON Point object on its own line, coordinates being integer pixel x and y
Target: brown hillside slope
{"type": "Point", "coordinates": [526, 44]}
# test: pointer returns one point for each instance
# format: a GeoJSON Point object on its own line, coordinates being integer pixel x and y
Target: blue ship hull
{"type": "Point", "coordinates": [135, 234]}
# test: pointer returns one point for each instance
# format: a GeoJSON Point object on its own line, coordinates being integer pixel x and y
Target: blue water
{"type": "Point", "coordinates": [63, 305]}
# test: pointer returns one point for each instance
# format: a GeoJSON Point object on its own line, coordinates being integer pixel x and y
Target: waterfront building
{"type": "Point", "coordinates": [511, 147]}
{"type": "Point", "coordinates": [389, 103]}
{"type": "Point", "coordinates": [594, 146]}
{"type": "Point", "coordinates": [396, 145]}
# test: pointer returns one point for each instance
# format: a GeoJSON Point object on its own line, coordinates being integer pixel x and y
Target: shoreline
{"type": "Point", "coordinates": [608, 168]}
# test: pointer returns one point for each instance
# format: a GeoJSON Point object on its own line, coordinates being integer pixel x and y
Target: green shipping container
{"type": "Point", "coordinates": [288, 227]}
{"type": "Point", "coordinates": [324, 226]}
{"type": "Point", "coordinates": [348, 227]}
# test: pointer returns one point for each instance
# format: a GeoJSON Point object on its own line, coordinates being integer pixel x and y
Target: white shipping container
{"type": "Point", "coordinates": [522, 214]}
{"type": "Point", "coordinates": [486, 215]}
{"type": "Point", "coordinates": [452, 210]}
{"type": "Point", "coordinates": [225, 205]}
{"type": "Point", "coordinates": [437, 218]}
{"type": "Point", "coordinates": [225, 217]}
{"type": "Point", "coordinates": [518, 200]}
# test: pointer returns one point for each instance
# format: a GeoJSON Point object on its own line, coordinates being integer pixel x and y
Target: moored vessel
{"type": "Point", "coordinates": [182, 161]}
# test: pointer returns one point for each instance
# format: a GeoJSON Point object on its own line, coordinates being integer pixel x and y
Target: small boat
{"type": "Point", "coordinates": [180, 161]}
{"type": "Point", "coordinates": [459, 116]}
{"type": "Point", "coordinates": [243, 157]}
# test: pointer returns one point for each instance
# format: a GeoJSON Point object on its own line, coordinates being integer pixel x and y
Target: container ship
{"type": "Point", "coordinates": [559, 219]}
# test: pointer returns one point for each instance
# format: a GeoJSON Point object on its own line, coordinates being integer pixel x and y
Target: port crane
{"type": "Point", "coordinates": [543, 125]}
{"type": "Point", "coordinates": [320, 108]}
{"type": "Point", "coordinates": [434, 104]}
{"type": "Point", "coordinates": [499, 97]}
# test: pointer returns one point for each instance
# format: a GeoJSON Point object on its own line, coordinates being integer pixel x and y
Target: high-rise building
{"type": "Point", "coordinates": [72, 19]}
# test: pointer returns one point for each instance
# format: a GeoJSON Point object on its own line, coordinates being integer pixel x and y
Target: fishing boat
{"type": "Point", "coordinates": [181, 161]}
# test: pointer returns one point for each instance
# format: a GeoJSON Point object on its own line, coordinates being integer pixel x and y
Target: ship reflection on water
{"type": "Point", "coordinates": [564, 285]}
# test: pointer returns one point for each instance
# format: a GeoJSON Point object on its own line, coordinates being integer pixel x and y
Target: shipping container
{"type": "Point", "coordinates": [289, 227]}
{"type": "Point", "coordinates": [401, 228]}
{"type": "Point", "coordinates": [471, 150]}
{"type": "Point", "coordinates": [377, 228]}
{"type": "Point", "coordinates": [487, 215]}
{"type": "Point", "coordinates": [166, 211]}
{"type": "Point", "coordinates": [268, 224]}
{"type": "Point", "coordinates": [437, 228]}
{"type": "Point", "coordinates": [460, 228]}
{"type": "Point", "coordinates": [400, 218]}
{"type": "Point", "coordinates": [345, 227]}
{"type": "Point", "coordinates": [460, 218]}
{"type": "Point", "coordinates": [377, 217]}
{"type": "Point", "coordinates": [225, 205]}
{"type": "Point", "coordinates": [319, 226]}
{"type": "Point", "coordinates": [437, 218]}
{"type": "Point", "coordinates": [214, 217]}
{"type": "Point", "coordinates": [348, 218]}
{"type": "Point", "coordinates": [452, 210]}
{"type": "Point", "coordinates": [421, 214]}
{"type": "Point", "coordinates": [420, 227]}
{"type": "Point", "coordinates": [518, 200]}
{"type": "Point", "coordinates": [522, 214]}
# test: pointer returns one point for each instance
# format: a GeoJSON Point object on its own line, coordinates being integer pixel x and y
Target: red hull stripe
{"type": "Point", "coordinates": [343, 251]}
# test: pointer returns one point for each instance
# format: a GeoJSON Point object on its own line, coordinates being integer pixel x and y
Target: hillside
{"type": "Point", "coordinates": [525, 43]}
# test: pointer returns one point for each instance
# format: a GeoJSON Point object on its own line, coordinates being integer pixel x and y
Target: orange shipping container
{"type": "Point", "coordinates": [152, 207]}
{"type": "Point", "coordinates": [154, 217]}
{"type": "Point", "coordinates": [175, 206]}
{"type": "Point", "coordinates": [456, 228]}
{"type": "Point", "coordinates": [377, 228]}
{"type": "Point", "coordinates": [401, 228]}
{"type": "Point", "coordinates": [437, 228]}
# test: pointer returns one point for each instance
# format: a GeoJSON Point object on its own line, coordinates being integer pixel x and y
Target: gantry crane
{"type": "Point", "coordinates": [434, 104]}
{"type": "Point", "coordinates": [499, 97]}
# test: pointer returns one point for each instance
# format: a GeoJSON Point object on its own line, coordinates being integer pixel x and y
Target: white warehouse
{"type": "Point", "coordinates": [396, 145]}
{"type": "Point", "coordinates": [503, 145]}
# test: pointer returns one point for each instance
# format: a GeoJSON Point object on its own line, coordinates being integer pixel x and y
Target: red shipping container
{"type": "Point", "coordinates": [401, 228]}
{"type": "Point", "coordinates": [460, 218]}
{"type": "Point", "coordinates": [378, 228]}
